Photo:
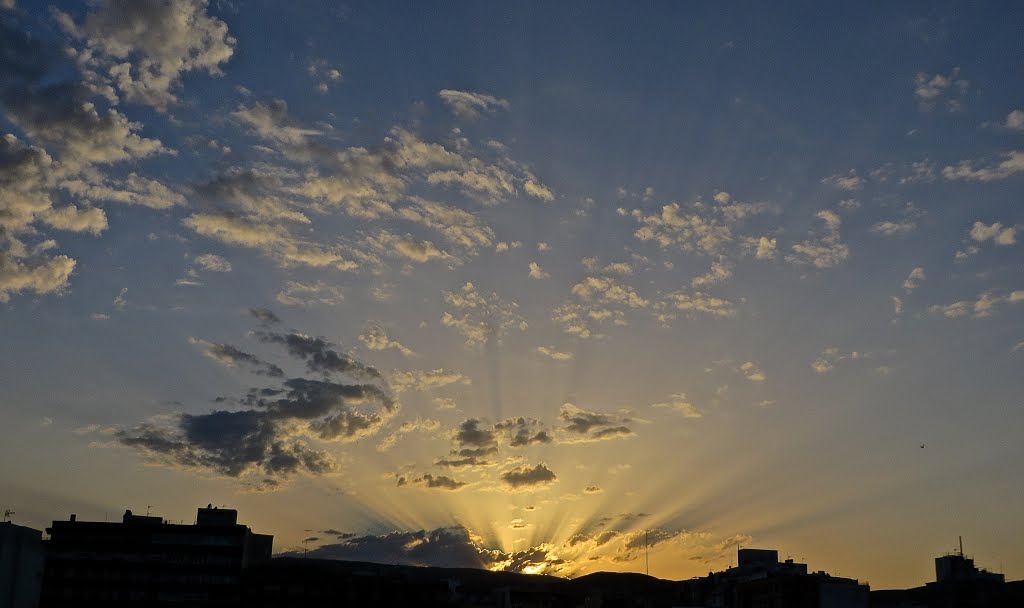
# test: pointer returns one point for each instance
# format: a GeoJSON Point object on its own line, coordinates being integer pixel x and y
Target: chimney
{"type": "Point", "coordinates": [72, 517]}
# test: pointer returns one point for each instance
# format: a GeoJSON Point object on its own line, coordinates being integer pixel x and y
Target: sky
{"type": "Point", "coordinates": [518, 285]}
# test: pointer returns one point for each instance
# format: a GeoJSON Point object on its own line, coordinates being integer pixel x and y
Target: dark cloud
{"type": "Point", "coordinates": [269, 434]}
{"type": "Point", "coordinates": [318, 354]}
{"type": "Point", "coordinates": [470, 434]}
{"type": "Point", "coordinates": [523, 431]}
{"type": "Point", "coordinates": [464, 461]}
{"type": "Point", "coordinates": [585, 425]}
{"type": "Point", "coordinates": [230, 356]}
{"type": "Point", "coordinates": [440, 482]}
{"type": "Point", "coordinates": [265, 316]}
{"type": "Point", "coordinates": [451, 547]}
{"type": "Point", "coordinates": [526, 476]}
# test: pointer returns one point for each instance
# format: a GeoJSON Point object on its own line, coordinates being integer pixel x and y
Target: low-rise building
{"type": "Point", "coordinates": [21, 566]}
{"type": "Point", "coordinates": [145, 561]}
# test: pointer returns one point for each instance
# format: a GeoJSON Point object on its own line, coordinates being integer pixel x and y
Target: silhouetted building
{"type": "Point", "coordinates": [21, 566]}
{"type": "Point", "coordinates": [145, 561]}
{"type": "Point", "coordinates": [760, 580]}
{"type": "Point", "coordinates": [958, 584]}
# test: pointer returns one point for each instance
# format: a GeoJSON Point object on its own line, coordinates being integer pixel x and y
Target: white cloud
{"type": "Point", "coordinates": [720, 272]}
{"type": "Point", "coordinates": [680, 403]}
{"type": "Point", "coordinates": [997, 233]}
{"type": "Point", "coordinates": [824, 251]}
{"type": "Point", "coordinates": [931, 89]}
{"type": "Point", "coordinates": [553, 353]}
{"type": "Point", "coordinates": [536, 272]}
{"type": "Point", "coordinates": [891, 228]}
{"type": "Point", "coordinates": [480, 317]}
{"type": "Point", "coordinates": [913, 279]}
{"type": "Point", "coordinates": [42, 276]}
{"type": "Point", "coordinates": [849, 181]}
{"type": "Point", "coordinates": [1012, 163]}
{"type": "Point", "coordinates": [1015, 120]}
{"type": "Point", "coordinates": [376, 338]}
{"type": "Point", "coordinates": [832, 356]}
{"type": "Point", "coordinates": [985, 305]}
{"type": "Point", "coordinates": [752, 371]}
{"type": "Point", "coordinates": [212, 263]}
{"type": "Point", "coordinates": [469, 105]}
{"type": "Point", "coordinates": [143, 47]}
{"type": "Point", "coordinates": [297, 293]}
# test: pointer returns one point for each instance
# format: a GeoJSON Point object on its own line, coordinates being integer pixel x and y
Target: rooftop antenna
{"type": "Point", "coordinates": [148, 507]}
{"type": "Point", "coordinates": [961, 545]}
{"type": "Point", "coordinates": [7, 514]}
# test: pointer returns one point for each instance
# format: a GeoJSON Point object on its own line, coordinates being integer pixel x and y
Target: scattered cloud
{"type": "Point", "coordinates": [984, 306]}
{"type": "Point", "coordinates": [913, 280]}
{"type": "Point", "coordinates": [679, 402]}
{"type": "Point", "coordinates": [552, 353]}
{"type": "Point", "coordinates": [851, 182]}
{"type": "Point", "coordinates": [536, 272]}
{"type": "Point", "coordinates": [947, 90]}
{"type": "Point", "coordinates": [996, 232]}
{"type": "Point", "coordinates": [297, 293]}
{"type": "Point", "coordinates": [469, 105]}
{"type": "Point", "coordinates": [376, 338]}
{"type": "Point", "coordinates": [976, 171]}
{"type": "Point", "coordinates": [142, 48]}
{"type": "Point", "coordinates": [529, 477]}
{"type": "Point", "coordinates": [479, 317]}
{"type": "Point", "coordinates": [825, 249]}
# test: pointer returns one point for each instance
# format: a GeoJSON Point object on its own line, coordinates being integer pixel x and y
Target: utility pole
{"type": "Point", "coordinates": [647, 556]}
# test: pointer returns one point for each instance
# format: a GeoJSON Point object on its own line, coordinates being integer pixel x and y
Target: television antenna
{"type": "Point", "coordinates": [7, 514]}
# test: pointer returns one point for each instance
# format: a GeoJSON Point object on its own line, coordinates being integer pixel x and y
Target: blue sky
{"type": "Point", "coordinates": [524, 280]}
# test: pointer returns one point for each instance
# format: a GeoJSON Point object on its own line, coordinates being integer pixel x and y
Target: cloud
{"type": "Point", "coordinates": [143, 47]}
{"type": "Point", "coordinates": [420, 380]}
{"type": "Point", "coordinates": [265, 316]}
{"type": "Point", "coordinates": [997, 233]}
{"type": "Point", "coordinates": [824, 250]}
{"type": "Point", "coordinates": [932, 89]}
{"type": "Point", "coordinates": [376, 338]}
{"type": "Point", "coordinates": [520, 432]}
{"type": "Point", "coordinates": [212, 263]}
{"type": "Point", "coordinates": [275, 241]}
{"type": "Point", "coordinates": [752, 371]}
{"type": "Point", "coordinates": [850, 181]}
{"type": "Point", "coordinates": [42, 275]}
{"type": "Point", "coordinates": [480, 317]}
{"type": "Point", "coordinates": [720, 272]}
{"type": "Point", "coordinates": [319, 354]}
{"type": "Point", "coordinates": [271, 122]}
{"type": "Point", "coordinates": [582, 425]}
{"type": "Point", "coordinates": [696, 302]}
{"type": "Point", "coordinates": [229, 356]}
{"type": "Point", "coordinates": [552, 353]}
{"type": "Point", "coordinates": [406, 247]}
{"type": "Point", "coordinates": [913, 279]}
{"type": "Point", "coordinates": [680, 403]}
{"type": "Point", "coordinates": [831, 356]}
{"type": "Point", "coordinates": [469, 105]}
{"type": "Point", "coordinates": [426, 425]}
{"type": "Point", "coordinates": [536, 272]}
{"type": "Point", "coordinates": [440, 482]}
{"type": "Point", "coordinates": [269, 437]}
{"type": "Point", "coordinates": [891, 229]}
{"type": "Point", "coordinates": [764, 248]}
{"type": "Point", "coordinates": [1012, 163]}
{"type": "Point", "coordinates": [449, 547]}
{"type": "Point", "coordinates": [528, 477]}
{"type": "Point", "coordinates": [297, 293]}
{"type": "Point", "coordinates": [1015, 120]}
{"type": "Point", "coordinates": [984, 306]}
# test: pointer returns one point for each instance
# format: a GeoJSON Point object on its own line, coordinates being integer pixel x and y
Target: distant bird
{"type": "Point", "coordinates": [922, 446]}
